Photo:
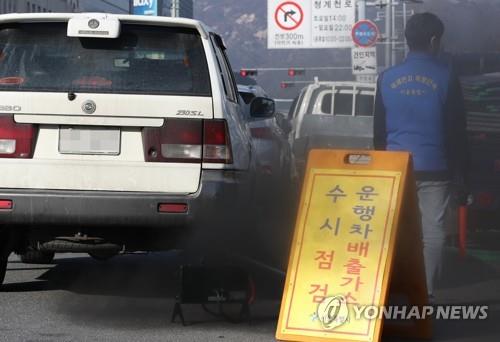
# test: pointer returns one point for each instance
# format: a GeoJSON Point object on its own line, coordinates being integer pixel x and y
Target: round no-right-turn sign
{"type": "Point", "coordinates": [289, 15]}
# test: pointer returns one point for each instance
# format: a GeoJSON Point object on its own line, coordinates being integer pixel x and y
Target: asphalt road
{"type": "Point", "coordinates": [130, 298]}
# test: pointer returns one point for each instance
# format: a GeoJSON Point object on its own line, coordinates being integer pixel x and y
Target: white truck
{"type": "Point", "coordinates": [331, 115]}
{"type": "Point", "coordinates": [117, 133]}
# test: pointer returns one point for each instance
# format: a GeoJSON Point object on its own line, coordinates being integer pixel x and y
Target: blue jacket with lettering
{"type": "Point", "coordinates": [419, 108]}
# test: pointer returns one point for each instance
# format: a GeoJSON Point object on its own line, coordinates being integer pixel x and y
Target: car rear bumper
{"type": "Point", "coordinates": [219, 192]}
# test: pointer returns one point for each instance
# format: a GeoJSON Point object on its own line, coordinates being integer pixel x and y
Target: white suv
{"type": "Point", "coordinates": [117, 133]}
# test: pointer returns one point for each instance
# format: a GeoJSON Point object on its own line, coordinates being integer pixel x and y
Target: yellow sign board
{"type": "Point", "coordinates": [343, 247]}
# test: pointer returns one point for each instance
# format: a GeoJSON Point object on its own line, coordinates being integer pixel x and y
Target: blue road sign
{"type": "Point", "coordinates": [145, 7]}
{"type": "Point", "coordinates": [365, 33]}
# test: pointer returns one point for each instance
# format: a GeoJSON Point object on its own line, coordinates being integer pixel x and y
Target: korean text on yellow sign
{"type": "Point", "coordinates": [341, 249]}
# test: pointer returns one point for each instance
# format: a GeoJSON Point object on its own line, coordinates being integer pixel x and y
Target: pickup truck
{"type": "Point", "coordinates": [331, 115]}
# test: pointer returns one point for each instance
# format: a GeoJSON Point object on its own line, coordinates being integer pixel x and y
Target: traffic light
{"type": "Point", "coordinates": [292, 72]}
{"type": "Point", "coordinates": [248, 72]}
{"type": "Point", "coordinates": [285, 85]}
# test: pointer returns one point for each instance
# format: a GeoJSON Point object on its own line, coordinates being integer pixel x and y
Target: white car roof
{"type": "Point", "coordinates": [254, 89]}
{"type": "Point", "coordinates": [136, 19]}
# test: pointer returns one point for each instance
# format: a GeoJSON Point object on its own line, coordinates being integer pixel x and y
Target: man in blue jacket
{"type": "Point", "coordinates": [420, 108]}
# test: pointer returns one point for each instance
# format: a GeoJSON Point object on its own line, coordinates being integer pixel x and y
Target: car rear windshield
{"type": "Point", "coordinates": [344, 102]}
{"type": "Point", "coordinates": [143, 60]}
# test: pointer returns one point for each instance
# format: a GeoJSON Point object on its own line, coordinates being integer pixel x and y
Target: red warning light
{"type": "Point", "coordinates": [285, 85]}
{"type": "Point", "coordinates": [292, 72]}
{"type": "Point", "coordinates": [248, 72]}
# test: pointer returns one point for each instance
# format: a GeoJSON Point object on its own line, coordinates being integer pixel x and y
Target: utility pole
{"type": "Point", "coordinates": [394, 36]}
{"type": "Point", "coordinates": [361, 9]}
{"type": "Point", "coordinates": [174, 11]}
{"type": "Point", "coordinates": [388, 33]}
{"type": "Point", "coordinates": [405, 19]}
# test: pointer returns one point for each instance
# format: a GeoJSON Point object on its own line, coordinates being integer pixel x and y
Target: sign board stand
{"type": "Point", "coordinates": [357, 244]}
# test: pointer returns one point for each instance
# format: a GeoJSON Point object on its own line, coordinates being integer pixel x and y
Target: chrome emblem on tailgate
{"type": "Point", "coordinates": [94, 23]}
{"type": "Point", "coordinates": [89, 107]}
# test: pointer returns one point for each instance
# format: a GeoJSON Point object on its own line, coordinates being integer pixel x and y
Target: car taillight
{"type": "Point", "coordinates": [216, 143]}
{"type": "Point", "coordinates": [178, 140]}
{"type": "Point", "coordinates": [16, 140]}
{"type": "Point", "coordinates": [188, 141]}
{"type": "Point", "coordinates": [262, 133]}
{"type": "Point", "coordinates": [6, 205]}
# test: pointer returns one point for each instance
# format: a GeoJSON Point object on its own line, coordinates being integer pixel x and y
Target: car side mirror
{"type": "Point", "coordinates": [262, 107]}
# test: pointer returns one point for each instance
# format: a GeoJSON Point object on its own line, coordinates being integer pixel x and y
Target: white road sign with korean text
{"type": "Point", "coordinates": [306, 24]}
{"type": "Point", "coordinates": [364, 61]}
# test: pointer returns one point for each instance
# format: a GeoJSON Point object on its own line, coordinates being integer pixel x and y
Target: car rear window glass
{"type": "Point", "coordinates": [143, 60]}
{"type": "Point", "coordinates": [326, 104]}
{"type": "Point", "coordinates": [343, 104]}
{"type": "Point", "coordinates": [364, 105]}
